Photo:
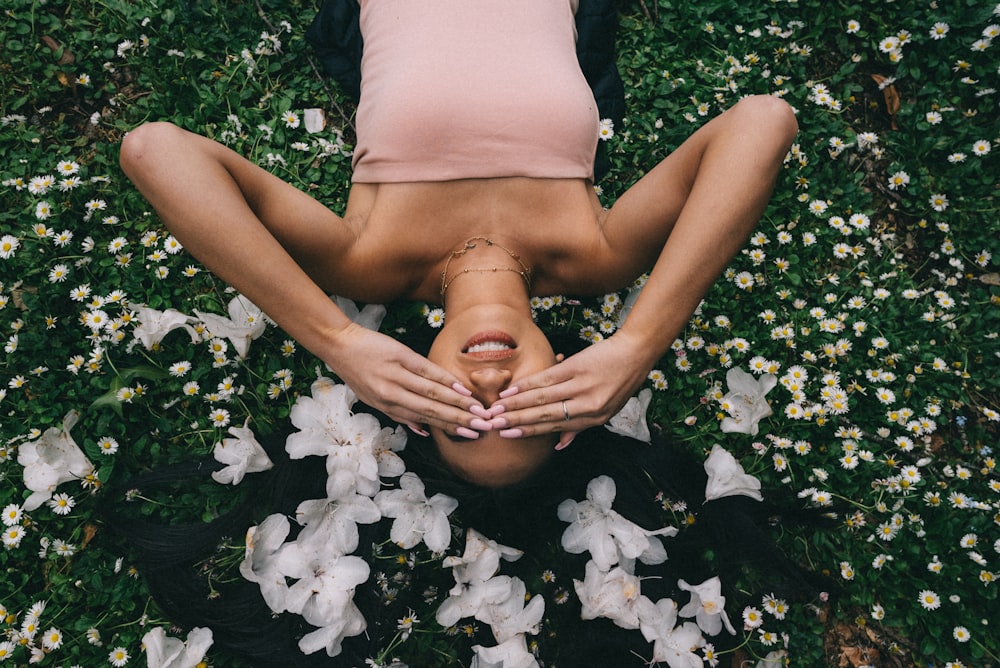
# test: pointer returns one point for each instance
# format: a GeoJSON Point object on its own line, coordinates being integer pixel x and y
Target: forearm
{"type": "Point", "coordinates": [723, 179]}
{"type": "Point", "coordinates": [241, 223]}
{"type": "Point", "coordinates": [685, 270]}
{"type": "Point", "coordinates": [258, 267]}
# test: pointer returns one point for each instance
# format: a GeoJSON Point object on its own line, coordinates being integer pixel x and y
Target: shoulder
{"type": "Point", "coordinates": [587, 264]}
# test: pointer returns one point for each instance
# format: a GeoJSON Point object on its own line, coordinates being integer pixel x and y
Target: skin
{"type": "Point", "coordinates": [285, 251]}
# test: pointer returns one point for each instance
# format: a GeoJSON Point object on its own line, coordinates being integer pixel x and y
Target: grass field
{"type": "Point", "coordinates": [871, 290]}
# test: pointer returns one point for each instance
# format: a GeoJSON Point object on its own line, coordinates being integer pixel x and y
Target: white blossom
{"type": "Point", "coordinates": [242, 454]}
{"type": "Point", "coordinates": [417, 518]}
{"type": "Point", "coordinates": [726, 477]}
{"type": "Point", "coordinates": [154, 325]}
{"type": "Point", "coordinates": [671, 643]}
{"type": "Point", "coordinates": [631, 419]}
{"type": "Point", "coordinates": [245, 323]}
{"type": "Point", "coordinates": [608, 536]}
{"type": "Point", "coordinates": [745, 402]}
{"type": "Point", "coordinates": [707, 606]}
{"type": "Point", "coordinates": [50, 460]}
{"type": "Point", "coordinates": [612, 594]}
{"type": "Point", "coordinates": [162, 651]}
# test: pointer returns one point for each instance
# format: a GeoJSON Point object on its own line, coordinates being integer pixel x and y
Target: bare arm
{"type": "Point", "coordinates": [272, 242]}
{"type": "Point", "coordinates": [698, 206]}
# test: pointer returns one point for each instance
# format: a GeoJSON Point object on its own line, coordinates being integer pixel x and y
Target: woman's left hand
{"type": "Point", "coordinates": [584, 390]}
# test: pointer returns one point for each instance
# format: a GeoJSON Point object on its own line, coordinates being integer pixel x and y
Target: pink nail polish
{"type": "Point", "coordinates": [498, 423]}
{"type": "Point", "coordinates": [509, 392]}
{"type": "Point", "coordinates": [511, 433]}
{"type": "Point", "coordinates": [417, 430]}
{"type": "Point", "coordinates": [497, 409]}
{"type": "Point", "coordinates": [479, 411]}
{"type": "Point", "coordinates": [465, 432]}
{"type": "Point", "coordinates": [480, 424]}
{"type": "Point", "coordinates": [461, 389]}
{"type": "Point", "coordinates": [562, 446]}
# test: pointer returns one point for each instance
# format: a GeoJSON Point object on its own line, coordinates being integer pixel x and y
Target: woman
{"type": "Point", "coordinates": [473, 188]}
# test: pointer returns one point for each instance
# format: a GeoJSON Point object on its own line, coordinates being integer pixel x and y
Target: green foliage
{"type": "Point", "coordinates": [870, 289]}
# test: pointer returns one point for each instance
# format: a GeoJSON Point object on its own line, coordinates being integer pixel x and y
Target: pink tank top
{"type": "Point", "coordinates": [459, 89]}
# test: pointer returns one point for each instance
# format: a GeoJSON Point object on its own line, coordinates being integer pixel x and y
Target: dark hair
{"type": "Point", "coordinates": [176, 561]}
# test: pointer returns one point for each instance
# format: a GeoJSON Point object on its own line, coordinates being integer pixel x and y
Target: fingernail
{"type": "Point", "coordinates": [564, 442]}
{"type": "Point", "coordinates": [465, 432]}
{"type": "Point", "coordinates": [479, 411]}
{"type": "Point", "coordinates": [498, 423]}
{"type": "Point", "coordinates": [461, 389]}
{"type": "Point", "coordinates": [497, 409]}
{"type": "Point", "coordinates": [480, 424]}
{"type": "Point", "coordinates": [509, 392]}
{"type": "Point", "coordinates": [416, 430]}
{"type": "Point", "coordinates": [511, 433]}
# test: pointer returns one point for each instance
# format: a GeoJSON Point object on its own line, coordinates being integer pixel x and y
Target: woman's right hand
{"type": "Point", "coordinates": [406, 386]}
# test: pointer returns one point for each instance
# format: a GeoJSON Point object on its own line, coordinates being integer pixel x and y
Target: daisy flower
{"type": "Point", "coordinates": [118, 657]}
{"type": "Point", "coordinates": [219, 418]}
{"type": "Point", "coordinates": [107, 445]}
{"type": "Point", "coordinates": [929, 600]}
{"type": "Point", "coordinates": [752, 617]}
{"type": "Point", "coordinates": [61, 504]}
{"type": "Point", "coordinates": [939, 30]}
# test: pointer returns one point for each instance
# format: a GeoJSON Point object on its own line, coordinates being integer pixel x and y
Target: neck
{"type": "Point", "coordinates": [485, 272]}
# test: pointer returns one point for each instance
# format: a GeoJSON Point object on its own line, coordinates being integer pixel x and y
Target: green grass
{"type": "Point", "coordinates": [873, 276]}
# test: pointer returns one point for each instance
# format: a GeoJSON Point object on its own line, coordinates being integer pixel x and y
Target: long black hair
{"type": "Point", "coordinates": [656, 484]}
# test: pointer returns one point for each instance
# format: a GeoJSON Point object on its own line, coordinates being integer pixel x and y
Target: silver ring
{"type": "Point", "coordinates": [565, 412]}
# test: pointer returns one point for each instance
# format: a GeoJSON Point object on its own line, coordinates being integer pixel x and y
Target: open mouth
{"type": "Point", "coordinates": [493, 345]}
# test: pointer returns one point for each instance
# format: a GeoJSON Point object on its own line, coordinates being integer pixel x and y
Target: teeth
{"type": "Point", "coordinates": [489, 345]}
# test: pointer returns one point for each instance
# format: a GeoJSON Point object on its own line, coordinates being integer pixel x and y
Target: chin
{"type": "Point", "coordinates": [495, 462]}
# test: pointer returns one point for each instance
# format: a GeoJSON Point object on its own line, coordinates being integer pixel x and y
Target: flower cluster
{"type": "Point", "coordinates": [611, 588]}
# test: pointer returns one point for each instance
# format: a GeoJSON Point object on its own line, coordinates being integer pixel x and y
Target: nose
{"type": "Point", "coordinates": [488, 382]}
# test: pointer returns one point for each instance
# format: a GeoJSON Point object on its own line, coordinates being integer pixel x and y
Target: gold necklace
{"type": "Point", "coordinates": [524, 271]}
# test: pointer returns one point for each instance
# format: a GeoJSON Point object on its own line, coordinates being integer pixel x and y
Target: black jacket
{"type": "Point", "coordinates": [336, 37]}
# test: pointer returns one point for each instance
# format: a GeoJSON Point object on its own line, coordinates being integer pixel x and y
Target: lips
{"type": "Point", "coordinates": [490, 345]}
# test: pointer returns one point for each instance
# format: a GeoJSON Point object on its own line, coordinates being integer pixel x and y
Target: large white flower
{"type": "Point", "coordinates": [245, 323]}
{"type": "Point", "coordinates": [707, 606]}
{"type": "Point", "coordinates": [745, 401]}
{"type": "Point", "coordinates": [510, 617]}
{"type": "Point", "coordinates": [481, 558]}
{"type": "Point", "coordinates": [385, 447]}
{"type": "Point", "coordinates": [613, 594]}
{"type": "Point", "coordinates": [332, 524]}
{"type": "Point", "coordinates": [348, 440]}
{"type": "Point", "coordinates": [154, 324]}
{"type": "Point", "coordinates": [513, 653]}
{"type": "Point", "coordinates": [608, 536]}
{"type": "Point", "coordinates": [631, 419]}
{"type": "Point", "coordinates": [324, 591]}
{"type": "Point", "coordinates": [474, 584]}
{"type": "Point", "coordinates": [352, 469]}
{"type": "Point", "coordinates": [510, 654]}
{"type": "Point", "coordinates": [163, 651]}
{"type": "Point", "coordinates": [50, 460]}
{"type": "Point", "coordinates": [726, 477]}
{"type": "Point", "coordinates": [467, 599]}
{"type": "Point", "coordinates": [264, 543]}
{"type": "Point", "coordinates": [331, 636]}
{"type": "Point", "coordinates": [243, 454]}
{"type": "Point", "coordinates": [417, 517]}
{"type": "Point", "coordinates": [674, 644]}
